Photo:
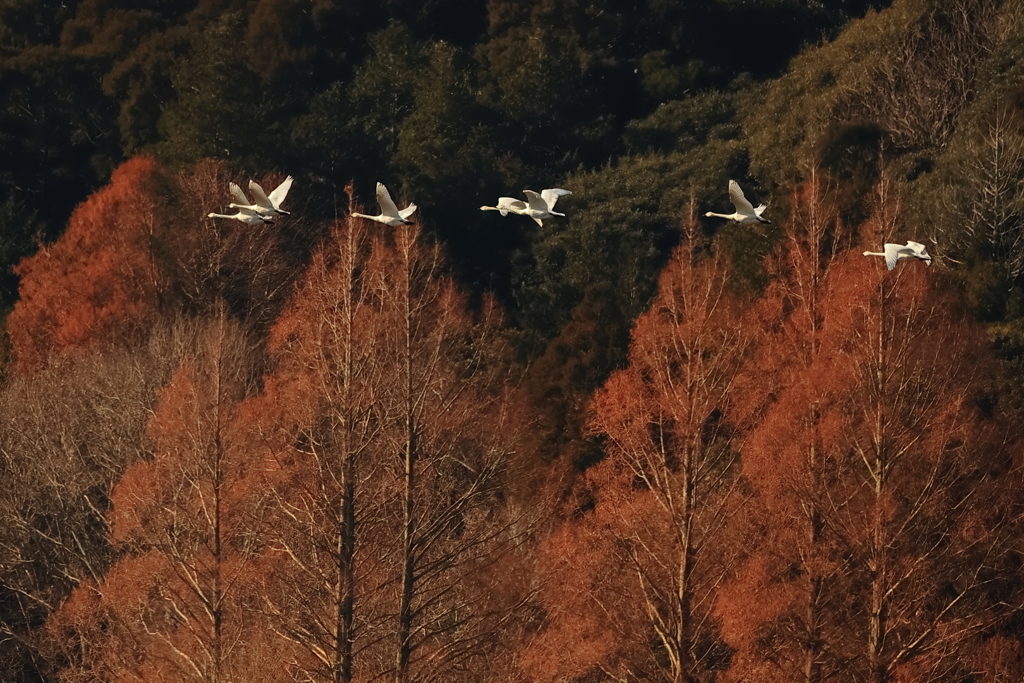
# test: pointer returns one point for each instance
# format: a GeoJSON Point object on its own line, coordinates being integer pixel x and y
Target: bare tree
{"type": "Point", "coordinates": [392, 429]}
{"type": "Point", "coordinates": [169, 608]}
{"type": "Point", "coordinates": [664, 424]}
{"type": "Point", "coordinates": [926, 77]}
{"type": "Point", "coordinates": [68, 431]}
{"type": "Point", "coordinates": [985, 205]}
{"type": "Point", "coordinates": [907, 504]}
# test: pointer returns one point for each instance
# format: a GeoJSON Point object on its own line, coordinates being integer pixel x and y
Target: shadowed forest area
{"type": "Point", "coordinates": [634, 443]}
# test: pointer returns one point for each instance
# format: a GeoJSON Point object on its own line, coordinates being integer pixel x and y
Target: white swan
{"type": "Point", "coordinates": [272, 203]}
{"type": "Point", "coordinates": [507, 205]}
{"type": "Point", "coordinates": [241, 201]}
{"type": "Point", "coordinates": [900, 252]}
{"type": "Point", "coordinates": [245, 215]}
{"type": "Point", "coordinates": [543, 205]}
{"type": "Point", "coordinates": [389, 213]}
{"type": "Point", "coordinates": [745, 212]}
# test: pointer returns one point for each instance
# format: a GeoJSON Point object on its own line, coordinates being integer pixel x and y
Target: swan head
{"type": "Point", "coordinates": [709, 214]}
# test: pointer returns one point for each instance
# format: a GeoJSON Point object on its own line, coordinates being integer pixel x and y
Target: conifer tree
{"type": "Point", "coordinates": [668, 483]}
{"type": "Point", "coordinates": [389, 427]}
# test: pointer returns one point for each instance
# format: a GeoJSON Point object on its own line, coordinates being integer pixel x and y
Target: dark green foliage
{"type": "Point", "coordinates": [444, 99]}
{"type": "Point", "coordinates": [221, 109]}
{"type": "Point", "coordinates": [591, 345]}
{"type": "Point", "coordinates": [853, 154]}
{"type": "Point", "coordinates": [27, 23]}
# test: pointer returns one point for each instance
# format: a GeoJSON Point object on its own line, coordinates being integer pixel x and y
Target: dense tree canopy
{"type": "Point", "coordinates": [629, 443]}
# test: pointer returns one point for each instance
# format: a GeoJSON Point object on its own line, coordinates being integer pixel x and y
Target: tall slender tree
{"type": "Point", "coordinates": [887, 451]}
{"type": "Point", "coordinates": [669, 480]}
{"type": "Point", "coordinates": [783, 458]}
{"type": "Point", "coordinates": [323, 397]}
{"type": "Point", "coordinates": [171, 608]}
{"type": "Point", "coordinates": [389, 426]}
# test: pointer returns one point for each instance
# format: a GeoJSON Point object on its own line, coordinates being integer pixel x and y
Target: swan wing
{"type": "Point", "coordinates": [738, 200]}
{"type": "Point", "coordinates": [259, 196]}
{"type": "Point", "coordinates": [407, 211]}
{"type": "Point", "coordinates": [387, 205]}
{"type": "Point", "coordinates": [280, 192]}
{"type": "Point", "coordinates": [537, 202]}
{"type": "Point", "coordinates": [551, 195]}
{"type": "Point", "coordinates": [918, 249]}
{"type": "Point", "coordinates": [892, 254]}
{"type": "Point", "coordinates": [238, 194]}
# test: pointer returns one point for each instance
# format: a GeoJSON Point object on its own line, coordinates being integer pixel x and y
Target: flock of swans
{"type": "Point", "coordinates": [260, 211]}
{"type": "Point", "coordinates": [539, 207]}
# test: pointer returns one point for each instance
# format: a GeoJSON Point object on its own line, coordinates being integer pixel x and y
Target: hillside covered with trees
{"type": "Point", "coordinates": [634, 443]}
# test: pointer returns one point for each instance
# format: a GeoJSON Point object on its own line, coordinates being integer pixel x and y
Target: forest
{"type": "Point", "coordinates": [631, 443]}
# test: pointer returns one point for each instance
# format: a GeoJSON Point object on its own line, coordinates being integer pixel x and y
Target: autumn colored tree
{"type": "Point", "coordinates": [319, 415]}
{"type": "Point", "coordinates": [67, 433]}
{"type": "Point", "coordinates": [886, 560]}
{"type": "Point", "coordinates": [171, 608]}
{"type": "Point", "coordinates": [922, 502]}
{"type": "Point", "coordinates": [785, 401]}
{"type": "Point", "coordinates": [98, 283]}
{"type": "Point", "coordinates": [669, 480]}
{"type": "Point", "coordinates": [452, 379]}
{"type": "Point", "coordinates": [388, 427]}
{"type": "Point", "coordinates": [143, 249]}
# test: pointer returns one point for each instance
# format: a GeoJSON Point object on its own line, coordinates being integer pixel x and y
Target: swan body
{"type": "Point", "coordinates": [247, 216]}
{"type": "Point", "coordinates": [543, 205]}
{"type": "Point", "coordinates": [901, 252]}
{"type": "Point", "coordinates": [271, 203]}
{"type": "Point", "coordinates": [507, 205]}
{"type": "Point", "coordinates": [389, 213]}
{"type": "Point", "coordinates": [745, 211]}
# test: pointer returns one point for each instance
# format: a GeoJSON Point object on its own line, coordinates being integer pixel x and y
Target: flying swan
{"type": "Point", "coordinates": [389, 213]}
{"type": "Point", "coordinates": [745, 212]}
{"type": "Point", "coordinates": [271, 203]}
{"type": "Point", "coordinates": [245, 215]}
{"type": "Point", "coordinates": [507, 205]}
{"type": "Point", "coordinates": [543, 205]}
{"type": "Point", "coordinates": [263, 205]}
{"type": "Point", "coordinates": [900, 252]}
{"type": "Point", "coordinates": [241, 201]}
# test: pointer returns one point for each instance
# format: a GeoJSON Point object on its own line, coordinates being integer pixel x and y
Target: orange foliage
{"type": "Point", "coordinates": [665, 529]}
{"type": "Point", "coordinates": [866, 444]}
{"type": "Point", "coordinates": [95, 285]}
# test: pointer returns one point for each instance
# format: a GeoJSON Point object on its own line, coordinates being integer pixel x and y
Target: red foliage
{"type": "Point", "coordinates": [867, 444]}
{"type": "Point", "coordinates": [96, 284]}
